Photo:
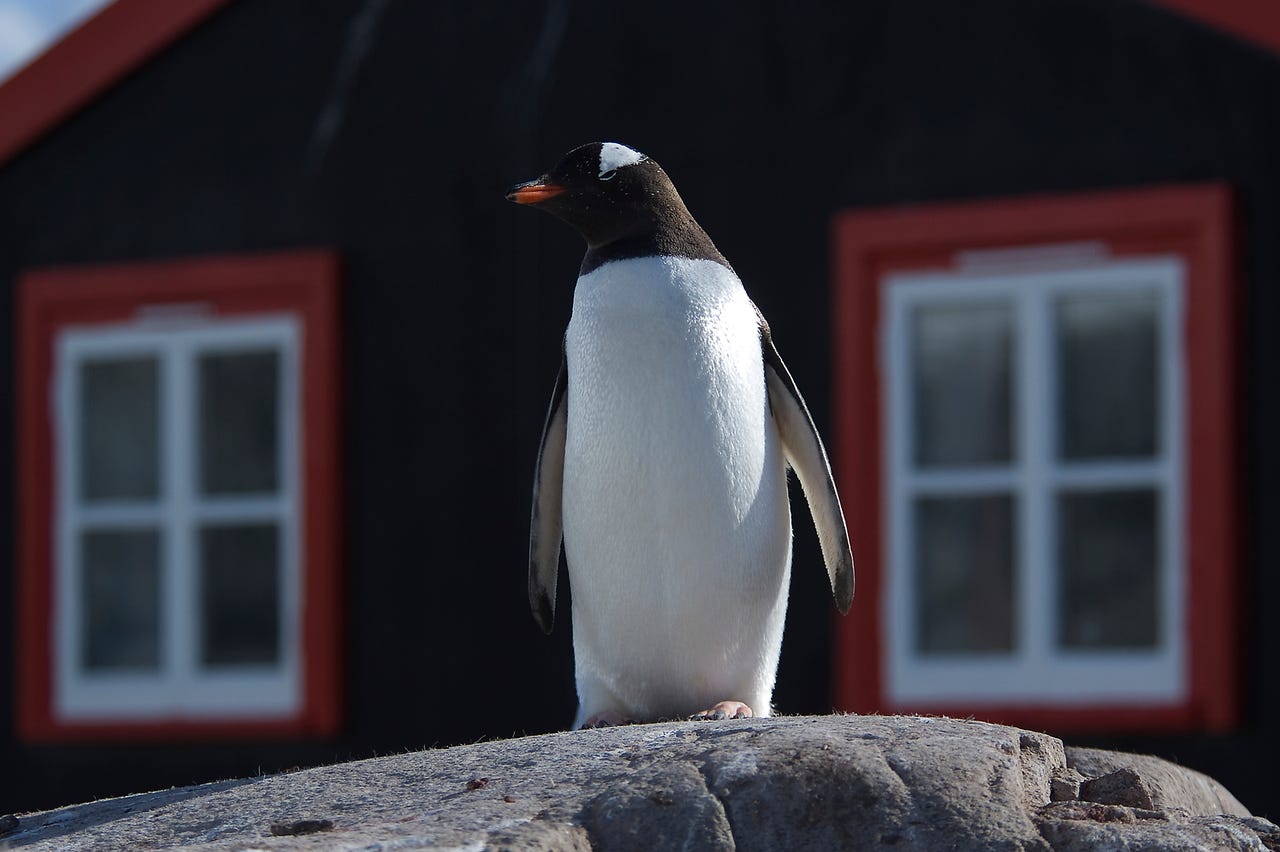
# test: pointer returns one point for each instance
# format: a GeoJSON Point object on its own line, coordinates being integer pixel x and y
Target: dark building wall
{"type": "Point", "coordinates": [389, 130]}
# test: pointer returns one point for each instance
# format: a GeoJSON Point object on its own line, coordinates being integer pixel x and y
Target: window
{"type": "Point", "coordinates": [1033, 465]}
{"type": "Point", "coordinates": [1035, 418]}
{"type": "Point", "coordinates": [177, 558]}
{"type": "Point", "coordinates": [181, 417]}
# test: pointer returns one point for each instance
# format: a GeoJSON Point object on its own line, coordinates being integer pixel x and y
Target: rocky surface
{"type": "Point", "coordinates": [832, 782]}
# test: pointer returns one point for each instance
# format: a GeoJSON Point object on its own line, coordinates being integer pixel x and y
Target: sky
{"type": "Point", "coordinates": [28, 26]}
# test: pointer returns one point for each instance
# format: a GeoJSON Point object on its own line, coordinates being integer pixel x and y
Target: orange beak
{"type": "Point", "coordinates": [533, 191]}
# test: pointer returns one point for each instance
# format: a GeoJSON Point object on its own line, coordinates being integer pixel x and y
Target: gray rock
{"type": "Point", "coordinates": [1092, 827]}
{"type": "Point", "coordinates": [1118, 787]}
{"type": "Point", "coordinates": [1065, 786]}
{"type": "Point", "coordinates": [834, 782]}
{"type": "Point", "coordinates": [1169, 785]}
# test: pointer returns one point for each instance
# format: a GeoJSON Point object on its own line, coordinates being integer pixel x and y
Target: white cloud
{"type": "Point", "coordinates": [28, 26]}
{"type": "Point", "coordinates": [22, 34]}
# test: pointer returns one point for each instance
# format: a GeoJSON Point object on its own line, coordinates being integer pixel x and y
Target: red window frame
{"type": "Point", "coordinates": [301, 283]}
{"type": "Point", "coordinates": [1192, 221]}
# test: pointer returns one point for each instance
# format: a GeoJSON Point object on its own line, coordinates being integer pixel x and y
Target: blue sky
{"type": "Point", "coordinates": [28, 26]}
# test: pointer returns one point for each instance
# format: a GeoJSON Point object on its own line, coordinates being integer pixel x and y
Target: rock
{"type": "Point", "coordinates": [833, 782]}
{"type": "Point", "coordinates": [1065, 786]}
{"type": "Point", "coordinates": [300, 826]}
{"type": "Point", "coordinates": [1088, 827]}
{"type": "Point", "coordinates": [1169, 785]}
{"type": "Point", "coordinates": [1119, 787]}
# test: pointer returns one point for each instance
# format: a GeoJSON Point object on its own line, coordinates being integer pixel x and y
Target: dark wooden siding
{"type": "Point", "coordinates": [770, 117]}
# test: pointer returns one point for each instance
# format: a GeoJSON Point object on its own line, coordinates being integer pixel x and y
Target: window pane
{"type": "Point", "coordinates": [961, 383]}
{"type": "Point", "coordinates": [120, 599]}
{"type": "Point", "coordinates": [240, 594]}
{"type": "Point", "coordinates": [1107, 390]}
{"type": "Point", "coordinates": [1108, 569]}
{"type": "Point", "coordinates": [239, 424]}
{"type": "Point", "coordinates": [119, 429]}
{"type": "Point", "coordinates": [964, 573]}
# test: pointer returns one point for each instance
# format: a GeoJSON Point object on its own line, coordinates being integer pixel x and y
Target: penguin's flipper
{"type": "Point", "coordinates": [546, 526]}
{"type": "Point", "coordinates": [808, 459]}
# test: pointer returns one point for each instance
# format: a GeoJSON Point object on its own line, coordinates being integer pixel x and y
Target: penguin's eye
{"type": "Point", "coordinates": [609, 175]}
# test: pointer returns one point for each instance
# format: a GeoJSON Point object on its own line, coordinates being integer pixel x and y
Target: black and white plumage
{"type": "Point", "coordinates": [664, 459]}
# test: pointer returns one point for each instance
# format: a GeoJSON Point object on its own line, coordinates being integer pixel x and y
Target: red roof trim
{"type": "Point", "coordinates": [1256, 21]}
{"type": "Point", "coordinates": [88, 61]}
{"type": "Point", "coordinates": [1192, 221]}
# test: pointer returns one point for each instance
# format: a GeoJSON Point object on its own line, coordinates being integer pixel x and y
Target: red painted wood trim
{"type": "Point", "coordinates": [1257, 21]}
{"type": "Point", "coordinates": [1194, 222]}
{"type": "Point", "coordinates": [89, 60]}
{"type": "Point", "coordinates": [33, 495]}
{"type": "Point", "coordinates": [304, 283]}
{"type": "Point", "coordinates": [856, 461]}
{"type": "Point", "coordinates": [1214, 505]}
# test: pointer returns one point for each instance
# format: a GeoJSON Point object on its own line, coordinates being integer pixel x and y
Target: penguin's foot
{"type": "Point", "coordinates": [724, 710]}
{"type": "Point", "coordinates": [607, 719]}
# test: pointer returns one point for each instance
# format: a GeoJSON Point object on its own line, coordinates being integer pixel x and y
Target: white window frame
{"type": "Point", "coordinates": [180, 688]}
{"type": "Point", "coordinates": [1035, 673]}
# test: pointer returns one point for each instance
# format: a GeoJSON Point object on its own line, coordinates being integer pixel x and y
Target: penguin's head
{"type": "Point", "coordinates": [605, 190]}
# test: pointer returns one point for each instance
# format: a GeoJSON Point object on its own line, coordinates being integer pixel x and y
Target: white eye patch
{"type": "Point", "coordinates": [614, 156]}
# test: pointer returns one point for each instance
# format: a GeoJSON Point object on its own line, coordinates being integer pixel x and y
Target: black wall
{"type": "Point", "coordinates": [389, 129]}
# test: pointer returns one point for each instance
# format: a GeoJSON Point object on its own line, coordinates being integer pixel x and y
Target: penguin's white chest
{"type": "Point", "coordinates": [676, 524]}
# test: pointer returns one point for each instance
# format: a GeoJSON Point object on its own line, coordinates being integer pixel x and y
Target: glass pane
{"type": "Point", "coordinates": [964, 573]}
{"type": "Point", "coordinates": [239, 423]}
{"type": "Point", "coordinates": [1107, 389]}
{"type": "Point", "coordinates": [240, 594]}
{"type": "Point", "coordinates": [120, 599]}
{"type": "Point", "coordinates": [962, 383]}
{"type": "Point", "coordinates": [119, 429]}
{"type": "Point", "coordinates": [1108, 569]}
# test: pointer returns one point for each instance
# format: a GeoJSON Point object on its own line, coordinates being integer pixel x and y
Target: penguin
{"type": "Point", "coordinates": [664, 460]}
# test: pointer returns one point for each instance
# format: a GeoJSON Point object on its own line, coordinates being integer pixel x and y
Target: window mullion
{"type": "Point", "coordinates": [1036, 412]}
{"type": "Point", "coordinates": [182, 613]}
{"type": "Point", "coordinates": [901, 612]}
{"type": "Point", "coordinates": [1173, 518]}
{"type": "Point", "coordinates": [290, 443]}
{"type": "Point", "coordinates": [67, 584]}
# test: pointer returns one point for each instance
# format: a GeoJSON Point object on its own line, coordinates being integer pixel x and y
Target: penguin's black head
{"type": "Point", "coordinates": [606, 191]}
